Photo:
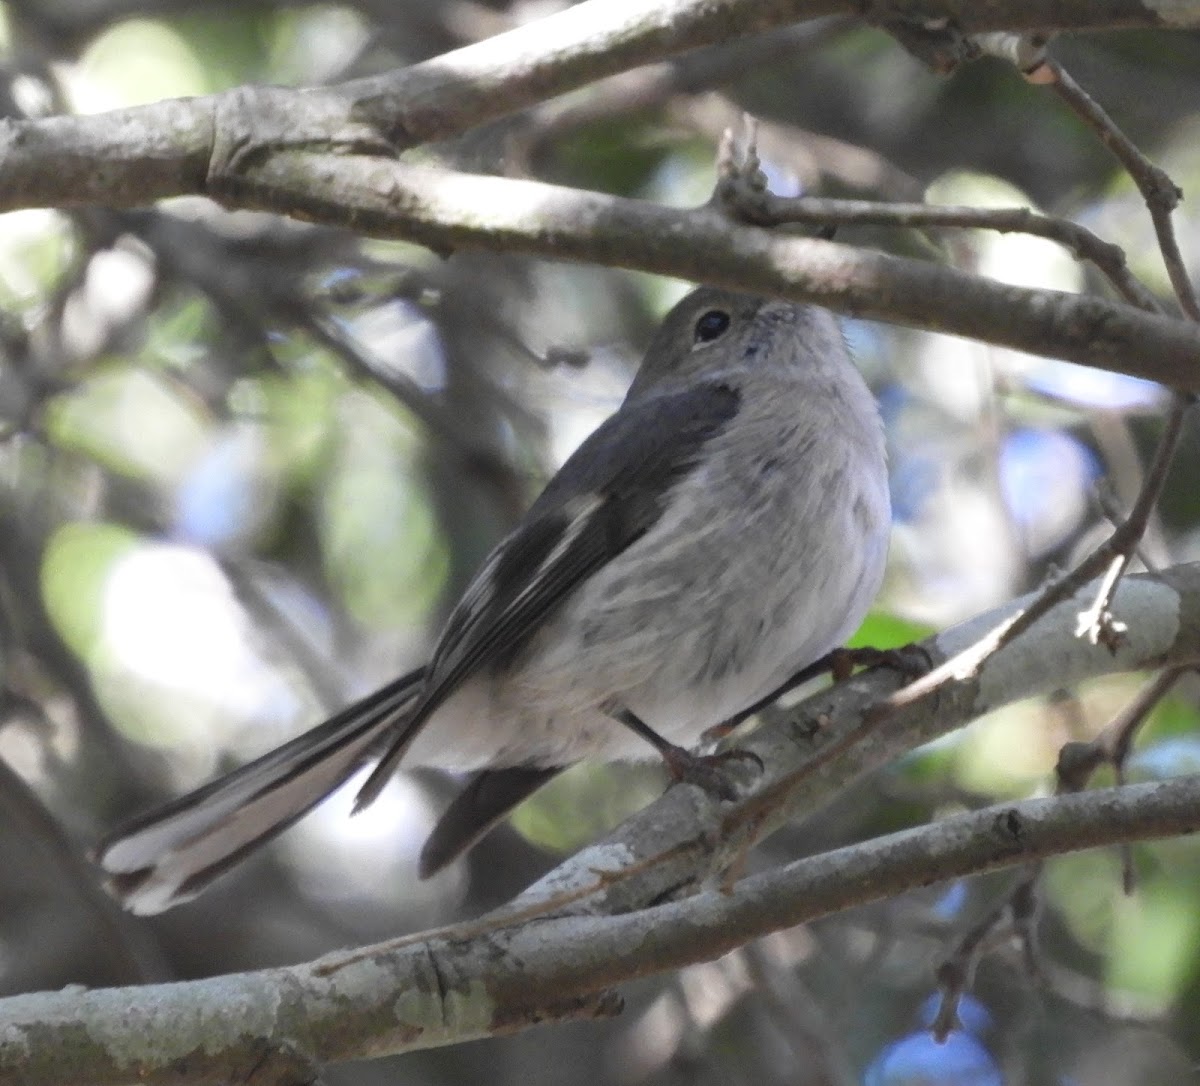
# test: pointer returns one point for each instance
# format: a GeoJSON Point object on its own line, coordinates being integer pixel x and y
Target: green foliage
{"type": "Point", "coordinates": [379, 538]}
{"type": "Point", "coordinates": [887, 630]}
{"type": "Point", "coordinates": [131, 421]}
{"type": "Point", "coordinates": [78, 560]}
{"type": "Point", "coordinates": [585, 802]}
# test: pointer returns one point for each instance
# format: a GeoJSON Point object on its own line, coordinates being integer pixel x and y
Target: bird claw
{"type": "Point", "coordinates": [911, 661]}
{"type": "Point", "coordinates": [706, 771]}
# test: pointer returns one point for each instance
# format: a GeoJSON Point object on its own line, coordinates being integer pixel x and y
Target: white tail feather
{"type": "Point", "coordinates": [172, 854]}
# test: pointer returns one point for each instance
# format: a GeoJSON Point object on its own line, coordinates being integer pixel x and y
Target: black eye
{"type": "Point", "coordinates": [711, 325]}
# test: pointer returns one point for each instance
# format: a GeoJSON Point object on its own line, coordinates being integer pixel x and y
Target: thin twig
{"type": "Point", "coordinates": [1020, 910]}
{"type": "Point", "coordinates": [1108, 503]}
{"type": "Point", "coordinates": [765, 209]}
{"type": "Point", "coordinates": [1113, 556]}
{"type": "Point", "coordinates": [1015, 916]}
{"type": "Point", "coordinates": [1077, 762]}
{"type": "Point", "coordinates": [1161, 194]}
{"type": "Point", "coordinates": [1116, 492]}
{"type": "Point", "coordinates": [1110, 555]}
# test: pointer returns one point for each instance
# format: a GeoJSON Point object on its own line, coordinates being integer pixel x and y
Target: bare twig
{"type": "Point", "coordinates": [1097, 623]}
{"type": "Point", "coordinates": [765, 209]}
{"type": "Point", "coordinates": [1116, 491]}
{"type": "Point", "coordinates": [1098, 626]}
{"type": "Point", "coordinates": [1078, 761]}
{"type": "Point", "coordinates": [1017, 914]}
{"type": "Point", "coordinates": [1161, 194]}
{"type": "Point", "coordinates": [812, 157]}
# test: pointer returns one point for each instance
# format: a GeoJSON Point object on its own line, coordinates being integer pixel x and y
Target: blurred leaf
{"type": "Point", "coordinates": [178, 334]}
{"type": "Point", "coordinates": [300, 413]}
{"type": "Point", "coordinates": [585, 802]}
{"type": "Point", "coordinates": [75, 567]}
{"type": "Point", "coordinates": [131, 421]}
{"type": "Point", "coordinates": [1009, 752]}
{"type": "Point", "coordinates": [884, 630]}
{"type": "Point", "coordinates": [230, 46]}
{"type": "Point", "coordinates": [378, 532]}
{"type": "Point", "coordinates": [614, 157]}
{"type": "Point", "coordinates": [135, 62]}
{"type": "Point", "coordinates": [1082, 887]}
{"type": "Point", "coordinates": [685, 177]}
{"type": "Point", "coordinates": [309, 44]}
{"type": "Point", "coordinates": [1153, 941]}
{"type": "Point", "coordinates": [1172, 716]}
{"type": "Point", "coordinates": [36, 249]}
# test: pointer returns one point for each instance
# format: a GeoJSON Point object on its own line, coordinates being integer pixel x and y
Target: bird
{"type": "Point", "coordinates": [719, 533]}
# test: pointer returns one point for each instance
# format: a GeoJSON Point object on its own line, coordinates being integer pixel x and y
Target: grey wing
{"type": "Point", "coordinates": [606, 496]}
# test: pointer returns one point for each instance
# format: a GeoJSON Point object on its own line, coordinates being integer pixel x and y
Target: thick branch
{"type": "Point", "coordinates": [813, 751]}
{"type": "Point", "coordinates": [494, 976]}
{"type": "Point", "coordinates": [299, 153]}
{"type": "Point", "coordinates": [531, 63]}
{"type": "Point", "coordinates": [447, 989]}
{"type": "Point", "coordinates": [446, 210]}
{"type": "Point", "coordinates": [137, 155]}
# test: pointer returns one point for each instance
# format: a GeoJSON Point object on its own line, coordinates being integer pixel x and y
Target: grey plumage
{"type": "Point", "coordinates": [726, 527]}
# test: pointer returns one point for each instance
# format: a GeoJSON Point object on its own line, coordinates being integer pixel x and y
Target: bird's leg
{"type": "Point", "coordinates": [911, 661]}
{"type": "Point", "coordinates": [704, 771]}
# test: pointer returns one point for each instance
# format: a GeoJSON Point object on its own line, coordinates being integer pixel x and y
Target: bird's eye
{"type": "Point", "coordinates": [711, 325]}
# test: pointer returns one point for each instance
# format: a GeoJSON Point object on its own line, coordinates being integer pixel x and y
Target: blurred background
{"type": "Point", "coordinates": [247, 464]}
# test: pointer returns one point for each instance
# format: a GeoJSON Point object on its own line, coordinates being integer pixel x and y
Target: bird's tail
{"type": "Point", "coordinates": [171, 854]}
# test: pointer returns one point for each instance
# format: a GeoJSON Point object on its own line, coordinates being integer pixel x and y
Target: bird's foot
{"type": "Point", "coordinates": [911, 661]}
{"type": "Point", "coordinates": [707, 771]}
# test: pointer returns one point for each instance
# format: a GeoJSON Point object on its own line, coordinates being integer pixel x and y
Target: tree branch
{"type": "Point", "coordinates": [169, 142]}
{"type": "Point", "coordinates": [446, 989]}
{"type": "Point", "coordinates": [299, 153]}
{"type": "Point", "coordinates": [555, 952]}
{"type": "Point", "coordinates": [447, 210]}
